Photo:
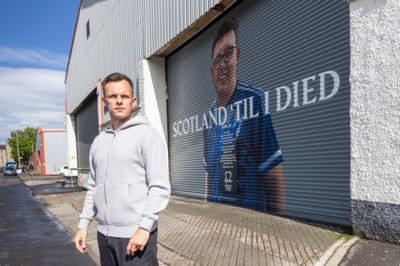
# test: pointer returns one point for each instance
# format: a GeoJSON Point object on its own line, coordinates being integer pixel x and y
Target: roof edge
{"type": "Point", "coordinates": [73, 40]}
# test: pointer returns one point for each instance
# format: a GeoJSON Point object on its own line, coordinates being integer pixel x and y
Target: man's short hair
{"type": "Point", "coordinates": [115, 77]}
{"type": "Point", "coordinates": [226, 27]}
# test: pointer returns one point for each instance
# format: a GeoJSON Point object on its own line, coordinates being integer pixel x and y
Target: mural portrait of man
{"type": "Point", "coordinates": [242, 157]}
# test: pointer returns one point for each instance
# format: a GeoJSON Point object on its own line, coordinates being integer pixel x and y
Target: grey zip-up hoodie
{"type": "Point", "coordinates": [128, 182]}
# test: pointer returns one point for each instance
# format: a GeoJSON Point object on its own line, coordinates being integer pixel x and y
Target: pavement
{"type": "Point", "coordinates": [194, 232]}
{"type": "Point", "coordinates": [28, 235]}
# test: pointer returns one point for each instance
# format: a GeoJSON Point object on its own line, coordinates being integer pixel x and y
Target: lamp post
{"type": "Point", "coordinates": [19, 158]}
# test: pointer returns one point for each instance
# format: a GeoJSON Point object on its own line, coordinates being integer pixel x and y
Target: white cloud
{"type": "Point", "coordinates": [34, 57]}
{"type": "Point", "coordinates": [30, 97]}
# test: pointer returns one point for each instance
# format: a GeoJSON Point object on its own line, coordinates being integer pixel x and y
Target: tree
{"type": "Point", "coordinates": [26, 141]}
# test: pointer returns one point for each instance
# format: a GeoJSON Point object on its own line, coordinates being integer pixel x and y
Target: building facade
{"type": "Point", "coordinates": [5, 155]}
{"type": "Point", "coordinates": [308, 125]}
{"type": "Point", "coordinates": [50, 153]}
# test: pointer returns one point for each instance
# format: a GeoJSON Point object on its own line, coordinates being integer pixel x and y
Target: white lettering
{"type": "Point", "coordinates": [252, 114]}
{"type": "Point", "coordinates": [192, 124]}
{"type": "Point", "coordinates": [296, 93]}
{"type": "Point", "coordinates": [336, 82]}
{"type": "Point", "coordinates": [237, 106]}
{"type": "Point", "coordinates": [279, 98]}
{"type": "Point", "coordinates": [204, 124]}
{"type": "Point", "coordinates": [213, 118]}
{"type": "Point", "coordinates": [179, 126]}
{"type": "Point", "coordinates": [222, 115]}
{"type": "Point", "coordinates": [286, 96]}
{"type": "Point", "coordinates": [197, 124]}
{"type": "Point", "coordinates": [175, 130]}
{"type": "Point", "coordinates": [306, 90]}
{"type": "Point", "coordinates": [266, 102]}
{"type": "Point", "coordinates": [186, 122]}
{"type": "Point", "coordinates": [245, 116]}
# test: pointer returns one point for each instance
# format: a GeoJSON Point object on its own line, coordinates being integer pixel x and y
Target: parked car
{"type": "Point", "coordinates": [1, 169]}
{"type": "Point", "coordinates": [64, 171]}
{"type": "Point", "coordinates": [10, 170]}
{"type": "Point", "coordinates": [11, 164]}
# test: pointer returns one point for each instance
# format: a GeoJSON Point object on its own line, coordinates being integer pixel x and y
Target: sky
{"type": "Point", "coordinates": [35, 39]}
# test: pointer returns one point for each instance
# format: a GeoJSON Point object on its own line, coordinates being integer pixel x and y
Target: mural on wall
{"type": "Point", "coordinates": [265, 113]}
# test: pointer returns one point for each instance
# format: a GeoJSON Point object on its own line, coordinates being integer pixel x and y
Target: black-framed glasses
{"type": "Point", "coordinates": [226, 56]}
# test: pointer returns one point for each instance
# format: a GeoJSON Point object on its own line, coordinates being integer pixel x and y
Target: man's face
{"type": "Point", "coordinates": [119, 100]}
{"type": "Point", "coordinates": [225, 59]}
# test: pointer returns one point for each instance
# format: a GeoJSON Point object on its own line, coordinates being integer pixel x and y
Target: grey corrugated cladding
{"type": "Point", "coordinates": [122, 32]}
{"type": "Point", "coordinates": [55, 150]}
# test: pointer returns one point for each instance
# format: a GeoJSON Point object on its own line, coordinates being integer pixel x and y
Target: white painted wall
{"type": "Point", "coordinates": [375, 100]}
{"type": "Point", "coordinates": [153, 93]}
{"type": "Point", "coordinates": [71, 144]}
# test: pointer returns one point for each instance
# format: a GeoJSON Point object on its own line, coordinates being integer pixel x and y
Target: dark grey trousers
{"type": "Point", "coordinates": [113, 251]}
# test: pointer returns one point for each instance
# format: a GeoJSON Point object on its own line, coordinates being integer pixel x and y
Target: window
{"type": "Point", "coordinates": [87, 30]}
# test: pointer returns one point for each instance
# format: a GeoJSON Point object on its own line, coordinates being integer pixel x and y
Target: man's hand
{"type": "Point", "coordinates": [138, 241]}
{"type": "Point", "coordinates": [80, 241]}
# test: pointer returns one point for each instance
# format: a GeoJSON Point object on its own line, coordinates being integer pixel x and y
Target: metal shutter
{"type": "Point", "coordinates": [87, 129]}
{"type": "Point", "coordinates": [282, 43]}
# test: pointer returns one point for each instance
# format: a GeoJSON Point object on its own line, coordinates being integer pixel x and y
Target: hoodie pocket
{"type": "Point", "coordinates": [137, 198]}
{"type": "Point", "coordinates": [119, 209]}
{"type": "Point", "coordinates": [99, 203]}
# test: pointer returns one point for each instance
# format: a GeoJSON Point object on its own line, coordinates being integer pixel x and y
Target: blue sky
{"type": "Point", "coordinates": [35, 38]}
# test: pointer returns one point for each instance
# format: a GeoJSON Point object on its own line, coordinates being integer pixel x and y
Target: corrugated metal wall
{"type": "Point", "coordinates": [55, 150]}
{"type": "Point", "coordinates": [165, 19]}
{"type": "Point", "coordinates": [122, 32]}
{"type": "Point", "coordinates": [282, 43]}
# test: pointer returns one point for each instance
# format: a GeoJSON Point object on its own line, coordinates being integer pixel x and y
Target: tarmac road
{"type": "Point", "coordinates": [30, 236]}
{"type": "Point", "coordinates": [372, 253]}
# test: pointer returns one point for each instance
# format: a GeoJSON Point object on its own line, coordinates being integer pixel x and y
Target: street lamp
{"type": "Point", "coordinates": [19, 158]}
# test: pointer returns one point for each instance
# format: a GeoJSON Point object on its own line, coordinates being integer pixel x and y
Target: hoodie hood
{"type": "Point", "coordinates": [135, 120]}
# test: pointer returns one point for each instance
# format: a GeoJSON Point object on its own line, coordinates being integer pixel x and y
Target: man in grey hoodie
{"type": "Point", "coordinates": [128, 183]}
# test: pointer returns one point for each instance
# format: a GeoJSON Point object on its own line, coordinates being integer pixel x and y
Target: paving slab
{"type": "Point", "coordinates": [194, 232]}
{"type": "Point", "coordinates": [257, 238]}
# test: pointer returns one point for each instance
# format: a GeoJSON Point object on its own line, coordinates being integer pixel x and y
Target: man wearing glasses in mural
{"type": "Point", "coordinates": [241, 153]}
